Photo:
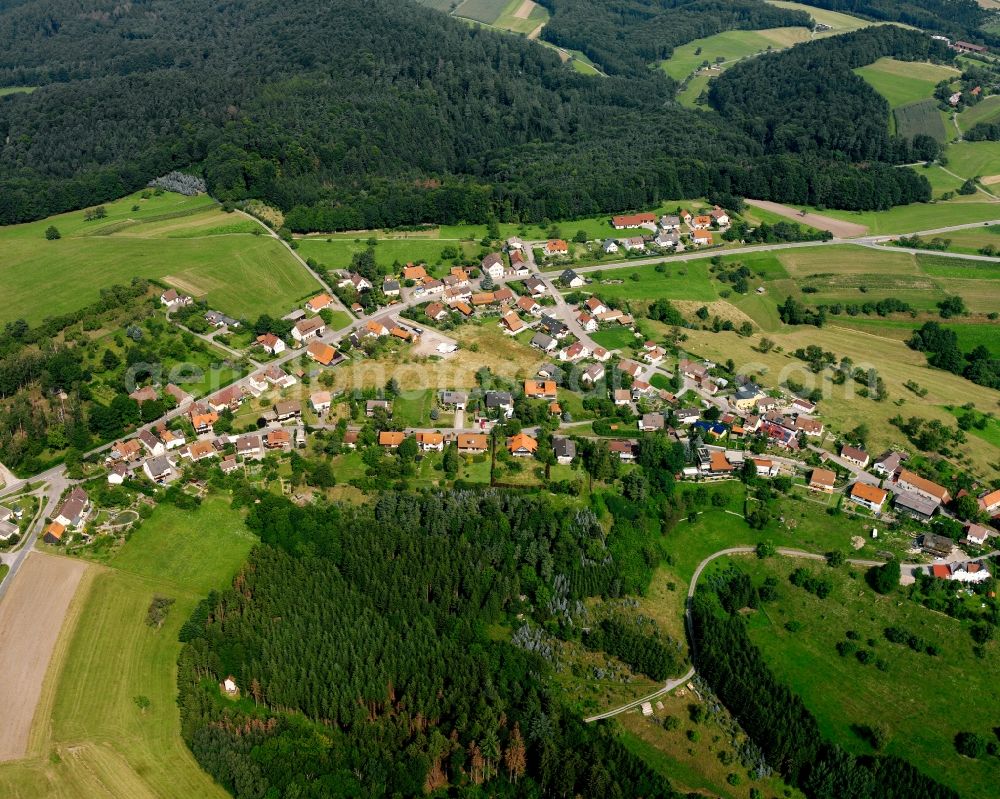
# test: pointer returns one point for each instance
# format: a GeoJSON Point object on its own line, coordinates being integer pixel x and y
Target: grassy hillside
{"type": "Point", "coordinates": [914, 697]}
{"type": "Point", "coordinates": [904, 82]}
{"type": "Point", "coordinates": [186, 242]}
{"type": "Point", "coordinates": [98, 741]}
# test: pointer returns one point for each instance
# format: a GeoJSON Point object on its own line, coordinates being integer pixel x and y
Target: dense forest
{"type": "Point", "coordinates": [368, 113]}
{"type": "Point", "coordinates": [360, 640]}
{"type": "Point", "coordinates": [775, 718]}
{"type": "Point", "coordinates": [961, 19]}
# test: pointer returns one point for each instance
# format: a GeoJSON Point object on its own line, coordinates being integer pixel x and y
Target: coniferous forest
{"type": "Point", "coordinates": [370, 113]}
{"type": "Point", "coordinates": [359, 639]}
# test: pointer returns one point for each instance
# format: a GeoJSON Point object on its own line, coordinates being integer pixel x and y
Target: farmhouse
{"type": "Point", "coordinates": [180, 396]}
{"type": "Point", "coordinates": [54, 533]}
{"type": "Point", "coordinates": [910, 481]}
{"type": "Point", "coordinates": [854, 455]}
{"type": "Point", "coordinates": [822, 480]}
{"type": "Point", "coordinates": [720, 217]}
{"type": "Point", "coordinates": [308, 329]}
{"type": "Point", "coordinates": [173, 300]}
{"type": "Point", "coordinates": [868, 495]}
{"type": "Point", "coordinates": [625, 221]}
{"type": "Point", "coordinates": [968, 47]}
{"type": "Point", "coordinates": [915, 505]}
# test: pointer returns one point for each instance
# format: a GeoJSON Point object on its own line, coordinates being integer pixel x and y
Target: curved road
{"type": "Point", "coordinates": [740, 550]}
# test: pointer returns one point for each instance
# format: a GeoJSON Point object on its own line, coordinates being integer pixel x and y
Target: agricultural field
{"type": "Point", "coordinates": [517, 16]}
{"type": "Point", "coordinates": [186, 242]}
{"type": "Point", "coordinates": [975, 159]}
{"type": "Point", "coordinates": [921, 117]}
{"type": "Point", "coordinates": [924, 216]}
{"type": "Point", "coordinates": [969, 334]}
{"type": "Point", "coordinates": [107, 743]}
{"type": "Point", "coordinates": [986, 110]}
{"type": "Point", "coordinates": [724, 49]}
{"type": "Point", "coordinates": [335, 252]}
{"type": "Point", "coordinates": [837, 22]}
{"type": "Point", "coordinates": [902, 82]}
{"type": "Point", "coordinates": [844, 694]}
{"type": "Point", "coordinates": [684, 280]}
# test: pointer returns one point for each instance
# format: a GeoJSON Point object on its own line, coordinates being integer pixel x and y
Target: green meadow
{"type": "Point", "coordinates": [186, 242]}
{"type": "Point", "coordinates": [902, 82]}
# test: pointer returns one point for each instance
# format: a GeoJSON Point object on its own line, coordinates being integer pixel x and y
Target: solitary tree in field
{"type": "Point", "coordinates": [52, 233]}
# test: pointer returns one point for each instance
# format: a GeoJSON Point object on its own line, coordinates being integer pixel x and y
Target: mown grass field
{"type": "Point", "coordinates": [970, 335]}
{"type": "Point", "coordinates": [95, 741]}
{"type": "Point", "coordinates": [986, 110]}
{"type": "Point", "coordinates": [972, 159]}
{"type": "Point", "coordinates": [838, 23]}
{"type": "Point", "coordinates": [730, 46]}
{"type": "Point", "coordinates": [902, 82]}
{"type": "Point", "coordinates": [187, 242]}
{"type": "Point", "coordinates": [915, 698]}
{"type": "Point", "coordinates": [336, 252]}
{"type": "Point", "coordinates": [971, 240]}
{"type": "Point", "coordinates": [614, 338]}
{"type": "Point", "coordinates": [924, 216]}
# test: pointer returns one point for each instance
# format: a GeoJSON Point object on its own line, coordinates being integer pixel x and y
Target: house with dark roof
{"type": "Point", "coordinates": [564, 449]}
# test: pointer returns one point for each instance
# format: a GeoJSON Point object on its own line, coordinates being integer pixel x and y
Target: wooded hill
{"type": "Point", "coordinates": [367, 113]}
{"type": "Point", "coordinates": [359, 639]}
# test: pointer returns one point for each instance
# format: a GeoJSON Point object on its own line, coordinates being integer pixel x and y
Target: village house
{"type": "Point", "coordinates": [939, 546]}
{"type": "Point", "coordinates": [220, 320]}
{"type": "Point", "coordinates": [554, 327]}
{"type": "Point", "coordinates": [144, 394]}
{"type": "Point", "coordinates": [322, 353]}
{"type": "Point", "coordinates": [976, 535]}
{"type": "Point", "coordinates": [746, 396]}
{"type": "Point", "coordinates": [574, 352]}
{"type": "Point", "coordinates": [692, 369]}
{"type": "Point", "coordinates": [811, 427]}
{"type": "Point", "coordinates": [493, 266]}
{"type": "Point", "coordinates": [371, 406]}
{"type": "Point", "coordinates": [869, 496]}
{"type": "Point", "coordinates": [54, 533]}
{"type": "Point", "coordinates": [229, 465]}
{"type": "Point", "coordinates": [528, 305]}
{"type": "Point", "coordinates": [631, 368]}
{"type": "Point", "coordinates": [626, 221]}
{"type": "Point", "coordinates": [435, 311]}
{"type": "Point", "coordinates": [308, 329]}
{"type": "Point", "coordinates": [320, 401]}
{"type": "Point", "coordinates": [536, 286]}
{"type": "Point", "coordinates": [288, 409]}
{"type": "Point", "coordinates": [610, 246]}
{"type": "Point", "coordinates": [601, 354]}
{"type": "Point", "coordinates": [554, 247]}
{"type": "Point", "coordinates": [587, 322]}
{"type": "Point", "coordinates": [432, 441]}
{"type": "Point", "coordinates": [564, 449]}
{"type": "Point", "coordinates": [633, 243]}
{"type": "Point", "coordinates": [854, 455]}
{"type": "Point", "coordinates": [250, 447]}
{"type": "Point", "coordinates": [701, 238]}
{"type": "Point", "coordinates": [180, 396]}
{"type": "Point", "coordinates": [203, 420]}
{"type": "Point", "coordinates": [700, 222]}
{"type": "Point", "coordinates": [278, 439]}
{"type": "Point", "coordinates": [170, 439]}
{"type": "Point", "coordinates": [503, 296]}
{"type": "Point", "coordinates": [571, 279]}
{"type": "Point", "coordinates": [887, 463]}
{"type": "Point", "coordinates": [173, 300]}
{"type": "Point", "coordinates": [799, 405]}
{"type": "Point", "coordinates": [622, 397]}
{"type": "Point", "coordinates": [73, 511]}
{"type": "Point", "coordinates": [390, 287]}
{"type": "Point", "coordinates": [414, 273]}
{"type": "Point", "coordinates": [391, 439]}
{"type": "Point", "coordinates": [910, 481]}
{"type": "Point", "coordinates": [549, 371]}
{"type": "Point", "coordinates": [514, 244]}
{"type": "Point", "coordinates": [456, 399]}
{"type": "Point", "coordinates": [822, 480]}
{"type": "Point", "coordinates": [501, 401]}
{"type": "Point", "coordinates": [650, 422]}
{"type": "Point", "coordinates": [511, 323]}
{"type": "Point", "coordinates": [126, 450]}
{"type": "Point", "coordinates": [626, 449]}
{"type": "Point", "coordinates": [319, 303]}
{"type": "Point", "coordinates": [720, 218]}
{"type": "Point", "coordinates": [540, 389]}
{"type": "Point", "coordinates": [687, 415]}
{"type": "Point", "coordinates": [271, 344]}
{"type": "Point", "coordinates": [402, 334]}
{"type": "Point", "coordinates": [594, 306]}
{"type": "Point", "coordinates": [990, 502]}
{"type": "Point", "coordinates": [472, 443]}
{"type": "Point", "coordinates": [375, 329]}
{"type": "Point", "coordinates": [522, 445]}
{"type": "Point", "coordinates": [152, 444]}
{"type": "Point", "coordinates": [231, 398]}
{"type": "Point", "coordinates": [766, 467]}
{"type": "Point", "coordinates": [653, 354]}
{"type": "Point", "coordinates": [592, 373]}
{"type": "Point", "coordinates": [668, 238]}
{"type": "Point", "coordinates": [199, 451]}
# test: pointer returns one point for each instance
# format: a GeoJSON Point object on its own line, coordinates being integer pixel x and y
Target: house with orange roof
{"type": "Point", "coordinates": [278, 439]}
{"type": "Point", "coordinates": [511, 323]}
{"type": "Point", "coordinates": [556, 247]}
{"type": "Point", "coordinates": [868, 496]}
{"type": "Point", "coordinates": [522, 445]}
{"type": "Point", "coordinates": [401, 334]}
{"type": "Point", "coordinates": [435, 311]}
{"type": "Point", "coordinates": [322, 353]}
{"type": "Point", "coordinates": [911, 481]}
{"type": "Point", "coordinates": [625, 221]}
{"type": "Point", "coordinates": [990, 502]}
{"type": "Point", "coordinates": [822, 480]}
{"type": "Point", "coordinates": [430, 441]}
{"type": "Point", "coordinates": [472, 443]}
{"type": "Point", "coordinates": [540, 389]}
{"type": "Point", "coordinates": [375, 328]}
{"type": "Point", "coordinates": [203, 420]}
{"type": "Point", "coordinates": [463, 308]}
{"type": "Point", "coordinates": [701, 238]}
{"type": "Point", "coordinates": [390, 439]}
{"type": "Point", "coordinates": [54, 533]}
{"type": "Point", "coordinates": [271, 344]}
{"type": "Point", "coordinates": [319, 302]}
{"type": "Point", "coordinates": [411, 272]}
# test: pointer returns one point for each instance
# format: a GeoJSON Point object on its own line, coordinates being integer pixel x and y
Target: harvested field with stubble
{"type": "Point", "coordinates": [837, 227]}
{"type": "Point", "coordinates": [31, 618]}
